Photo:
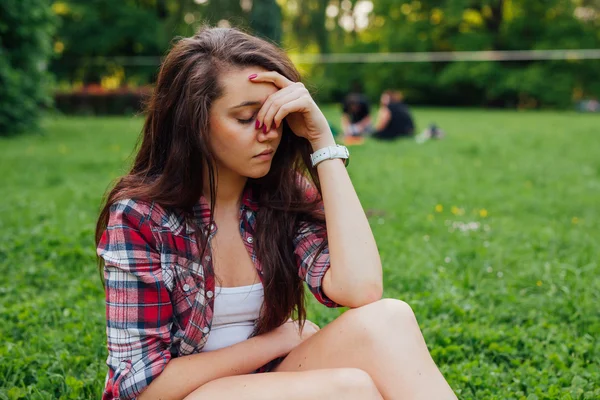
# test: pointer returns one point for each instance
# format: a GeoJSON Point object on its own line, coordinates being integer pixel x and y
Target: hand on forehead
{"type": "Point", "coordinates": [238, 89]}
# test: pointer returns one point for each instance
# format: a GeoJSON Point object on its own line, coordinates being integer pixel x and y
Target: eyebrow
{"type": "Point", "coordinates": [247, 103]}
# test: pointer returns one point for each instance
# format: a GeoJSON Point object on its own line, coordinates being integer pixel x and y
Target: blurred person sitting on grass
{"type": "Point", "coordinates": [393, 119]}
{"type": "Point", "coordinates": [356, 120]}
{"type": "Point", "coordinates": [206, 243]}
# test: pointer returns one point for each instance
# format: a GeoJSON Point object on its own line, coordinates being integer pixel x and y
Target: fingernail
{"type": "Point", "coordinates": [257, 124]}
{"type": "Point", "coordinates": [252, 76]}
{"type": "Point", "coordinates": [265, 128]}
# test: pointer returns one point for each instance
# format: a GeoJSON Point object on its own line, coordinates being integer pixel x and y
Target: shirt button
{"type": "Point", "coordinates": [207, 258]}
{"type": "Point", "coordinates": [209, 294]}
{"type": "Point", "coordinates": [206, 329]}
{"type": "Point", "coordinates": [122, 365]}
{"type": "Point", "coordinates": [186, 287]}
{"type": "Point", "coordinates": [250, 239]}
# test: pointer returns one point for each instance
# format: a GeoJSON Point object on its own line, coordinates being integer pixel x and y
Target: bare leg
{"type": "Point", "coordinates": [383, 339]}
{"type": "Point", "coordinates": [341, 383]}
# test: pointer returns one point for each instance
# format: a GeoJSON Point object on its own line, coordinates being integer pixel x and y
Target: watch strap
{"type": "Point", "coordinates": [330, 152]}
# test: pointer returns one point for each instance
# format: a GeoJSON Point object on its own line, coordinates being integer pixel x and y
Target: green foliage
{"type": "Point", "coordinates": [265, 20]}
{"type": "Point", "coordinates": [490, 234]}
{"type": "Point", "coordinates": [26, 27]}
{"type": "Point", "coordinates": [465, 25]}
{"type": "Point", "coordinates": [145, 28]}
{"type": "Point", "coordinates": [93, 30]}
{"type": "Point", "coordinates": [95, 34]}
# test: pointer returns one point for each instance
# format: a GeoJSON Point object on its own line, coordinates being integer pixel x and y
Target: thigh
{"type": "Point", "coordinates": [351, 340]}
{"type": "Point", "coordinates": [333, 346]}
{"type": "Point", "coordinates": [344, 383]}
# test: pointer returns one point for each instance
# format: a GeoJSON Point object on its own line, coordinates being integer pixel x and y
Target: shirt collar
{"type": "Point", "coordinates": [249, 198]}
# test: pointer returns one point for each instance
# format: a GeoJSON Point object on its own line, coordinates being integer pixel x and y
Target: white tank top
{"type": "Point", "coordinates": [235, 312]}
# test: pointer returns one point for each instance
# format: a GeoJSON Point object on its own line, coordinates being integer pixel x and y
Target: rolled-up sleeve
{"type": "Point", "coordinates": [312, 257]}
{"type": "Point", "coordinates": [138, 307]}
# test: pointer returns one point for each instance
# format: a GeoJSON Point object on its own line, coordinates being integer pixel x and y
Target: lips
{"type": "Point", "coordinates": [264, 153]}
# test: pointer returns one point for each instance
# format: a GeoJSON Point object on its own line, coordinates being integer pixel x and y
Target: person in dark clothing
{"type": "Point", "coordinates": [394, 119]}
{"type": "Point", "coordinates": [356, 120]}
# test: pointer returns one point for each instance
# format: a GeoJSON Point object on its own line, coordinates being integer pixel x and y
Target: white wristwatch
{"type": "Point", "coordinates": [329, 152]}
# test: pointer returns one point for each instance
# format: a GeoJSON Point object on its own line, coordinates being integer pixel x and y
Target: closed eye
{"type": "Point", "coordinates": [246, 121]}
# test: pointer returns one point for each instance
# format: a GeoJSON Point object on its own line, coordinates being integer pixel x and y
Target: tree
{"type": "Point", "coordinates": [26, 28]}
{"type": "Point", "coordinates": [265, 19]}
{"type": "Point", "coordinates": [92, 32]}
{"type": "Point", "coordinates": [467, 25]}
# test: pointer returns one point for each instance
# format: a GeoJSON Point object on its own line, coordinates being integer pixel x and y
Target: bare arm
{"type": "Point", "coordinates": [345, 123]}
{"type": "Point", "coordinates": [355, 276]}
{"type": "Point", "coordinates": [383, 118]}
{"type": "Point", "coordinates": [364, 122]}
{"type": "Point", "coordinates": [183, 375]}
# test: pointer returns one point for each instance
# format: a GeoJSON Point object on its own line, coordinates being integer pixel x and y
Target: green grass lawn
{"type": "Point", "coordinates": [490, 234]}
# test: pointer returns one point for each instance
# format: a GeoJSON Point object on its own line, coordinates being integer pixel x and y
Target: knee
{"type": "Point", "coordinates": [354, 383]}
{"type": "Point", "coordinates": [395, 311]}
{"type": "Point", "coordinates": [385, 318]}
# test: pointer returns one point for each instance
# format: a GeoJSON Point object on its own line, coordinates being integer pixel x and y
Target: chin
{"type": "Point", "coordinates": [256, 173]}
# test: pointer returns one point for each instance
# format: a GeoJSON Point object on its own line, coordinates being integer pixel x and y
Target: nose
{"type": "Point", "coordinates": [271, 134]}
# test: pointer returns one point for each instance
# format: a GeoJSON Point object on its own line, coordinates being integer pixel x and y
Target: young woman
{"type": "Point", "coordinates": [394, 119]}
{"type": "Point", "coordinates": [207, 241]}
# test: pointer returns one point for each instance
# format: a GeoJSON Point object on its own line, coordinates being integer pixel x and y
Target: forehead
{"type": "Point", "coordinates": [237, 88]}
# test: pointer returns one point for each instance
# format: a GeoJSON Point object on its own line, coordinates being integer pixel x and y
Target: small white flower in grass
{"type": "Point", "coordinates": [500, 274]}
{"type": "Point", "coordinates": [447, 260]}
{"type": "Point", "coordinates": [490, 270]}
{"type": "Point", "coordinates": [464, 226]}
{"type": "Point", "coordinates": [473, 226]}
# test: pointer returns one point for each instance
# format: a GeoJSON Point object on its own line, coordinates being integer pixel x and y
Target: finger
{"type": "Point", "coordinates": [260, 117]}
{"type": "Point", "coordinates": [274, 107]}
{"type": "Point", "coordinates": [273, 77]}
{"type": "Point", "coordinates": [299, 105]}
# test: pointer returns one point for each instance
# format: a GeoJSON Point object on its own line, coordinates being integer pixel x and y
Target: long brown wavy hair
{"type": "Point", "coordinates": [174, 152]}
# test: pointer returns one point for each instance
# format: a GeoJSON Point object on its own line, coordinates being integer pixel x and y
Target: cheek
{"type": "Point", "coordinates": [229, 138]}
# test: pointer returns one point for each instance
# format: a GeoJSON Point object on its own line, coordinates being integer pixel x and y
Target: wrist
{"type": "Point", "coordinates": [278, 343]}
{"type": "Point", "coordinates": [320, 143]}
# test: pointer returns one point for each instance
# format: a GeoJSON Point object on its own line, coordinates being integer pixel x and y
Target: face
{"type": "Point", "coordinates": [238, 146]}
{"type": "Point", "coordinates": [385, 99]}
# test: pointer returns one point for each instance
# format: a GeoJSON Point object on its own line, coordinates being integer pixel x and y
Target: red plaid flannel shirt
{"type": "Point", "coordinates": [159, 294]}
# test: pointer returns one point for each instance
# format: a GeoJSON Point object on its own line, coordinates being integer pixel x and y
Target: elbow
{"type": "Point", "coordinates": [367, 293]}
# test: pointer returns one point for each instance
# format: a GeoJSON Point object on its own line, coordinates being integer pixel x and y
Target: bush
{"type": "Point", "coordinates": [26, 29]}
{"type": "Point", "coordinates": [94, 100]}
